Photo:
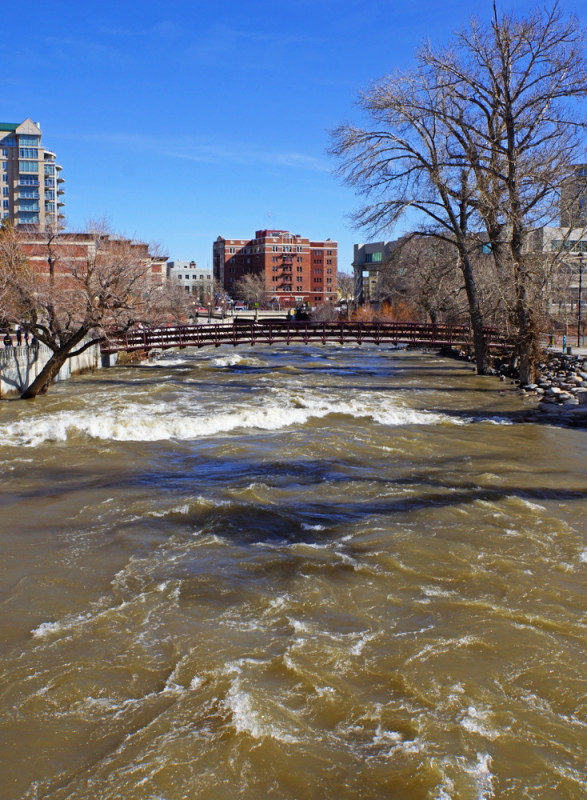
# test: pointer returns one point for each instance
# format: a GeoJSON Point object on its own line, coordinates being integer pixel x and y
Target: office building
{"type": "Point", "coordinates": [30, 181]}
{"type": "Point", "coordinates": [295, 270]}
{"type": "Point", "coordinates": [195, 280]}
{"type": "Point", "coordinates": [368, 262]}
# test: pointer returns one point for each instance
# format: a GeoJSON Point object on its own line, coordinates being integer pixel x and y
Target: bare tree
{"type": "Point", "coordinates": [511, 86]}
{"type": "Point", "coordinates": [345, 285]}
{"type": "Point", "coordinates": [250, 288]}
{"type": "Point", "coordinates": [478, 138]}
{"type": "Point", "coordinates": [407, 162]}
{"type": "Point", "coordinates": [423, 272]}
{"type": "Point", "coordinates": [70, 289]}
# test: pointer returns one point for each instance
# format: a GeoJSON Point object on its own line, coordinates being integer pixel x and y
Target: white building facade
{"type": "Point", "coordinates": [195, 280]}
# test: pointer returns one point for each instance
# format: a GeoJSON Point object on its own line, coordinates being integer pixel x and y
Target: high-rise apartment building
{"type": "Point", "coordinates": [295, 270]}
{"type": "Point", "coordinates": [30, 182]}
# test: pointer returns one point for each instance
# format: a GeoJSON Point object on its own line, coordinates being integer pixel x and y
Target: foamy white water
{"type": "Point", "coordinates": [145, 423]}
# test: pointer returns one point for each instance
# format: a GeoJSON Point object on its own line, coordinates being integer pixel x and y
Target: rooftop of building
{"type": "Point", "coordinates": [9, 126]}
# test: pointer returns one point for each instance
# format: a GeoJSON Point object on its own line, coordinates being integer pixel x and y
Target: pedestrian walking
{"type": "Point", "coordinates": [7, 340]}
{"type": "Point", "coordinates": [19, 336]}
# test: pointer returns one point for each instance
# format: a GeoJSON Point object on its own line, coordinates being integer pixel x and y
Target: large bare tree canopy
{"type": "Point", "coordinates": [70, 289]}
{"type": "Point", "coordinates": [476, 142]}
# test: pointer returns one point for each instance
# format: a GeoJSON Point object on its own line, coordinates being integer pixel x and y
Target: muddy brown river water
{"type": "Point", "coordinates": [307, 573]}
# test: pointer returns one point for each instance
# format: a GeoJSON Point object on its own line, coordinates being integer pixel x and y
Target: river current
{"type": "Point", "coordinates": [291, 573]}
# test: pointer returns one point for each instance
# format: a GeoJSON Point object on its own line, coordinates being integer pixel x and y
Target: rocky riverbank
{"type": "Point", "coordinates": [561, 384]}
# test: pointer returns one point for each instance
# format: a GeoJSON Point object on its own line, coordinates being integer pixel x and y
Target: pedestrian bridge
{"type": "Point", "coordinates": [264, 332]}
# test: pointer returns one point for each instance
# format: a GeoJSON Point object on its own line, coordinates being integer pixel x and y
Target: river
{"type": "Point", "coordinates": [291, 573]}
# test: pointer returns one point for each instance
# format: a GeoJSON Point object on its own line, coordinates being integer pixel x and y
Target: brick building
{"type": "Point", "coordinates": [295, 270]}
{"type": "Point", "coordinates": [73, 251]}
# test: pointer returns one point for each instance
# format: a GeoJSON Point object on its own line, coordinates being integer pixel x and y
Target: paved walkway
{"type": "Point", "coordinates": [575, 351]}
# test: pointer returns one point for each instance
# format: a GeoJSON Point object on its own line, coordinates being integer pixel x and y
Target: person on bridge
{"type": "Point", "coordinates": [7, 340]}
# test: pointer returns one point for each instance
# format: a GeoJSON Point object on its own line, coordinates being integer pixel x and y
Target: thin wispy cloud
{"type": "Point", "coordinates": [206, 152]}
{"type": "Point", "coordinates": [83, 49]}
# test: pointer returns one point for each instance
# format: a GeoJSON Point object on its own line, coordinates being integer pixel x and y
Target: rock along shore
{"type": "Point", "coordinates": [561, 383]}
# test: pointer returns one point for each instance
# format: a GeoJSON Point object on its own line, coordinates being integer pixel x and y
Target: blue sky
{"type": "Point", "coordinates": [182, 121]}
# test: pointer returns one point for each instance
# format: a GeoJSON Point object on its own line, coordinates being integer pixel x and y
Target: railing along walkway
{"type": "Point", "coordinates": [286, 332]}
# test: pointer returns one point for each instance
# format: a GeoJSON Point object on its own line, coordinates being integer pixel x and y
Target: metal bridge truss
{"type": "Point", "coordinates": [284, 332]}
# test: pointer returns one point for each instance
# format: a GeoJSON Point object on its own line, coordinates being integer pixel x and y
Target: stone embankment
{"type": "Point", "coordinates": [561, 384]}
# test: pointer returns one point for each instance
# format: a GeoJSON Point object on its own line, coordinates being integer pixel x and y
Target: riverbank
{"type": "Point", "coordinates": [561, 385]}
{"type": "Point", "coordinates": [561, 382]}
{"type": "Point", "coordinates": [19, 366]}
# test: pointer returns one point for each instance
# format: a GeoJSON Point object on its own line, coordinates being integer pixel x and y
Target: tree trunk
{"type": "Point", "coordinates": [47, 375]}
{"type": "Point", "coordinates": [526, 341]}
{"type": "Point", "coordinates": [475, 313]}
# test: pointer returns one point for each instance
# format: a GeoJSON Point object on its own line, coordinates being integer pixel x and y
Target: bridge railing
{"type": "Point", "coordinates": [291, 332]}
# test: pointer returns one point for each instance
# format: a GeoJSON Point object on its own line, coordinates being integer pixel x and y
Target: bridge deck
{"type": "Point", "coordinates": [285, 332]}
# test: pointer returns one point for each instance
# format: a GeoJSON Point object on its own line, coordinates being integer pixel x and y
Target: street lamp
{"type": "Point", "coordinates": [209, 312]}
{"type": "Point", "coordinates": [579, 302]}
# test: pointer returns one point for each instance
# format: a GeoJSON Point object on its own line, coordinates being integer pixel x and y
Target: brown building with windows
{"type": "Point", "coordinates": [295, 270]}
{"type": "Point", "coordinates": [72, 252]}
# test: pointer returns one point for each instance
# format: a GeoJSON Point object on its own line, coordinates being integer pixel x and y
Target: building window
{"type": "Point", "coordinates": [28, 152]}
{"type": "Point", "coordinates": [29, 166]}
{"type": "Point", "coordinates": [29, 141]}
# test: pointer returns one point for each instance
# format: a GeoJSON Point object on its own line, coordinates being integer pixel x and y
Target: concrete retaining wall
{"type": "Point", "coordinates": [19, 366]}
